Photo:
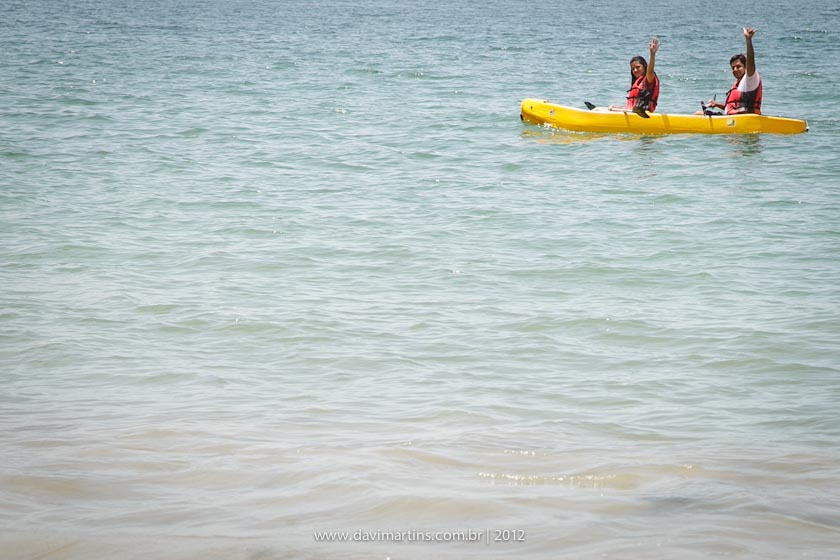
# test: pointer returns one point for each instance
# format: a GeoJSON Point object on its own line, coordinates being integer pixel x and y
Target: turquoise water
{"type": "Point", "coordinates": [272, 269]}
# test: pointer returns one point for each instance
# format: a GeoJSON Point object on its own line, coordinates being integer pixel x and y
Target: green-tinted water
{"type": "Point", "coordinates": [273, 268]}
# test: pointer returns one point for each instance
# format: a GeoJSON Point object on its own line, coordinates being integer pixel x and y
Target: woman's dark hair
{"type": "Point", "coordinates": [740, 57]}
{"type": "Point", "coordinates": [641, 60]}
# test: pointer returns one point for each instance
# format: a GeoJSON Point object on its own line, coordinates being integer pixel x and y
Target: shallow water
{"type": "Point", "coordinates": [273, 269]}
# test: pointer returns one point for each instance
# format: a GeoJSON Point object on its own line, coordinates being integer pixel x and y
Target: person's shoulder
{"type": "Point", "coordinates": [749, 83]}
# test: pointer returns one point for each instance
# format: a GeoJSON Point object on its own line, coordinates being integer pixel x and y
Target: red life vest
{"type": "Point", "coordinates": [642, 95]}
{"type": "Point", "coordinates": [743, 101]}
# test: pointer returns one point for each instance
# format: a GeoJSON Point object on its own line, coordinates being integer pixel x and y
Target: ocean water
{"type": "Point", "coordinates": [276, 274]}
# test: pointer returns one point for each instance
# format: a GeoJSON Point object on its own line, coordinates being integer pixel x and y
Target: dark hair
{"type": "Point", "coordinates": [641, 60]}
{"type": "Point", "coordinates": [740, 57]}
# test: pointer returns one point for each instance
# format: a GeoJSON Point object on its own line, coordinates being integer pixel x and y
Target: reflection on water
{"type": "Point", "coordinates": [550, 135]}
{"type": "Point", "coordinates": [745, 144]}
{"type": "Point", "coordinates": [648, 141]}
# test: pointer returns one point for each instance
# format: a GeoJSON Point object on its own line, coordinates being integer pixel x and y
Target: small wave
{"type": "Point", "coordinates": [591, 481]}
{"type": "Point", "coordinates": [193, 132]}
{"type": "Point", "coordinates": [79, 102]}
{"type": "Point", "coordinates": [364, 71]}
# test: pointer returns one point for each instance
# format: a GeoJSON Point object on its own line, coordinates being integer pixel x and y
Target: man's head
{"type": "Point", "coordinates": [738, 63]}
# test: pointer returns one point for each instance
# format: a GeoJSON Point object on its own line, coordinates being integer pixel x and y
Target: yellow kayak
{"type": "Point", "coordinates": [602, 120]}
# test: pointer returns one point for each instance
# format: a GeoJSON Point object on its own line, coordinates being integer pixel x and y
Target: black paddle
{"type": "Point", "coordinates": [638, 110]}
{"type": "Point", "coordinates": [709, 112]}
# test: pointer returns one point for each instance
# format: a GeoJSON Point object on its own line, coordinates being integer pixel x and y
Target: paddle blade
{"type": "Point", "coordinates": [589, 105]}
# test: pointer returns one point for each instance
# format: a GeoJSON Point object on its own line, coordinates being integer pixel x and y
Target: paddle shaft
{"type": "Point", "coordinates": [635, 111]}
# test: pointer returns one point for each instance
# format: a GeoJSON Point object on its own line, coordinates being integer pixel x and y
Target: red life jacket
{"type": "Point", "coordinates": [743, 101]}
{"type": "Point", "coordinates": [642, 95]}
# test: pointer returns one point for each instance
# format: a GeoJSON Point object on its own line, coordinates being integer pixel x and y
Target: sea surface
{"type": "Point", "coordinates": [292, 280]}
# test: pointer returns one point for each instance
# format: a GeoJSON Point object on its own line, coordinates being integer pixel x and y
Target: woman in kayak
{"type": "Point", "coordinates": [644, 83]}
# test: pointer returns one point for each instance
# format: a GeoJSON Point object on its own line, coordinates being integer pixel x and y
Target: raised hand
{"type": "Point", "coordinates": [654, 45]}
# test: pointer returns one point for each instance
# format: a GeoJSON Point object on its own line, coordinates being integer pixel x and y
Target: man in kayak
{"type": "Point", "coordinates": [745, 95]}
{"type": "Point", "coordinates": [644, 83]}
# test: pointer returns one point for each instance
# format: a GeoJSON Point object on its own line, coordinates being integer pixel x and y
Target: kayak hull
{"type": "Point", "coordinates": [539, 111]}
